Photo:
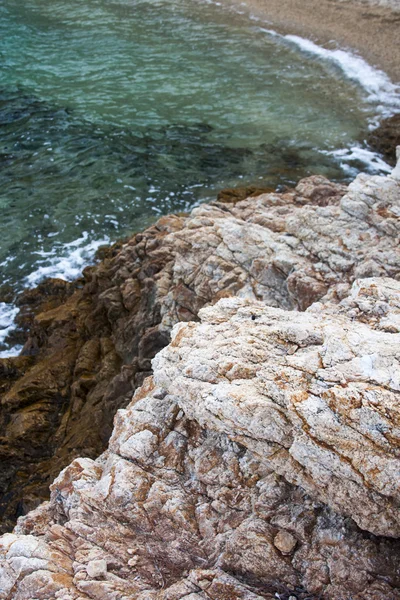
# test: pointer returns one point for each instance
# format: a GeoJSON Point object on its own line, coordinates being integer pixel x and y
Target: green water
{"type": "Point", "coordinates": [114, 112]}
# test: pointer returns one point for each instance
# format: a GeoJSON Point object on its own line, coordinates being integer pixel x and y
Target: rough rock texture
{"type": "Point", "coordinates": [245, 469]}
{"type": "Point", "coordinates": [315, 394]}
{"type": "Point", "coordinates": [386, 137]}
{"type": "Point", "coordinates": [91, 343]}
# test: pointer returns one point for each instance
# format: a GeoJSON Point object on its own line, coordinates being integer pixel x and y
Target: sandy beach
{"type": "Point", "coordinates": [370, 28]}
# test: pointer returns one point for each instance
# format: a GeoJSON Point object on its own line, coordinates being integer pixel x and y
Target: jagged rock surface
{"type": "Point", "coordinates": [386, 137]}
{"type": "Point", "coordinates": [315, 395]}
{"type": "Point", "coordinates": [90, 346]}
{"type": "Point", "coordinates": [240, 470]}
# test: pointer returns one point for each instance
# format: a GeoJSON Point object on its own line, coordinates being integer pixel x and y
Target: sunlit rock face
{"type": "Point", "coordinates": [261, 458]}
{"type": "Point", "coordinates": [315, 393]}
{"type": "Point", "coordinates": [90, 343]}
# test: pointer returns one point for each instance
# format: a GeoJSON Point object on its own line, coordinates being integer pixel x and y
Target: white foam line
{"type": "Point", "coordinates": [63, 262]}
{"type": "Point", "coordinates": [68, 265]}
{"type": "Point", "coordinates": [379, 86]}
{"type": "Point", "coordinates": [381, 90]}
{"type": "Point", "coordinates": [14, 351]}
{"type": "Point", "coordinates": [372, 161]}
{"type": "Point", "coordinates": [270, 32]}
{"type": "Point", "coordinates": [8, 312]}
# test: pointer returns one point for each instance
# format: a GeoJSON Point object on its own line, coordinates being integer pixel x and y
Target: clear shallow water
{"type": "Point", "coordinates": [114, 112]}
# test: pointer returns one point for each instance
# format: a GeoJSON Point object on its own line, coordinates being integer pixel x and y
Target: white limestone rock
{"type": "Point", "coordinates": [263, 457]}
{"type": "Point", "coordinates": [315, 395]}
{"type": "Point", "coordinates": [263, 433]}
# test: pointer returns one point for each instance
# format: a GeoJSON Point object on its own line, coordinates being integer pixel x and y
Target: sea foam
{"type": "Point", "coordinates": [355, 154]}
{"type": "Point", "coordinates": [8, 312]}
{"type": "Point", "coordinates": [66, 261]}
{"type": "Point", "coordinates": [382, 92]}
{"type": "Point", "coordinates": [63, 262]}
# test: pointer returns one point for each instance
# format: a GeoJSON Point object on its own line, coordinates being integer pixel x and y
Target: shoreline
{"type": "Point", "coordinates": [211, 411]}
{"type": "Point", "coordinates": [371, 30]}
{"type": "Point", "coordinates": [246, 351]}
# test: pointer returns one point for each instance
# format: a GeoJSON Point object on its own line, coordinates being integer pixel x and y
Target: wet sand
{"type": "Point", "coordinates": [372, 29]}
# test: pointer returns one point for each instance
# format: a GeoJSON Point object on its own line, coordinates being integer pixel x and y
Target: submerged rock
{"type": "Point", "coordinates": [91, 343]}
{"type": "Point", "coordinates": [261, 459]}
{"type": "Point", "coordinates": [233, 195]}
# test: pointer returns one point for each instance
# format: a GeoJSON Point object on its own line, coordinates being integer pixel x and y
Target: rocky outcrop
{"type": "Point", "coordinates": [91, 343]}
{"type": "Point", "coordinates": [314, 394]}
{"type": "Point", "coordinates": [260, 461]}
{"type": "Point", "coordinates": [386, 137]}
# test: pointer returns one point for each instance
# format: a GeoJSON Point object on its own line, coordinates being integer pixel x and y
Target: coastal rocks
{"type": "Point", "coordinates": [90, 349]}
{"type": "Point", "coordinates": [240, 469]}
{"type": "Point", "coordinates": [386, 137]}
{"type": "Point", "coordinates": [315, 394]}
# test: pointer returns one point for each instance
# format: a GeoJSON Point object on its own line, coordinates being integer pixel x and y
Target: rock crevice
{"type": "Point", "coordinates": [234, 473]}
{"type": "Point", "coordinates": [262, 455]}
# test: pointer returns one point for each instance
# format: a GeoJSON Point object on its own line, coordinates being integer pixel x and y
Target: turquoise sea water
{"type": "Point", "coordinates": [114, 112]}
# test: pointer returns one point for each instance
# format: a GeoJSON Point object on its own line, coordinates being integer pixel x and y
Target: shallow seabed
{"type": "Point", "coordinates": [114, 112]}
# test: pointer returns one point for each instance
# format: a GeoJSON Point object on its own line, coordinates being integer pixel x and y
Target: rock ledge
{"type": "Point", "coordinates": [261, 459]}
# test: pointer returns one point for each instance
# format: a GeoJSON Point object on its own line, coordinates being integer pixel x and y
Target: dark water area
{"type": "Point", "coordinates": [114, 113]}
{"type": "Point", "coordinates": [65, 175]}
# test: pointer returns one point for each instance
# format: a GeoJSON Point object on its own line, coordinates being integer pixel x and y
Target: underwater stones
{"type": "Point", "coordinates": [233, 195]}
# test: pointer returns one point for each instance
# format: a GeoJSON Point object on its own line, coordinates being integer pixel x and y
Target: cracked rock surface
{"type": "Point", "coordinates": [315, 394]}
{"type": "Point", "coordinates": [90, 343]}
{"type": "Point", "coordinates": [262, 458]}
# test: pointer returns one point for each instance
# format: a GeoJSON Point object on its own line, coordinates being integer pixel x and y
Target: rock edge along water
{"type": "Point", "coordinates": [305, 244]}
{"type": "Point", "coordinates": [91, 343]}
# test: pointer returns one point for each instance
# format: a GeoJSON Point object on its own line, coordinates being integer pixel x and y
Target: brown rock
{"type": "Point", "coordinates": [285, 541]}
{"type": "Point", "coordinates": [90, 343]}
{"type": "Point", "coordinates": [386, 138]}
{"type": "Point", "coordinates": [233, 195]}
{"type": "Point", "coordinates": [201, 492]}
